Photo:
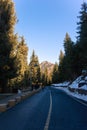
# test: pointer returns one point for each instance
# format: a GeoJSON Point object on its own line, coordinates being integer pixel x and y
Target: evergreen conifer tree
{"type": "Point", "coordinates": [68, 58]}
{"type": "Point", "coordinates": [21, 64]}
{"type": "Point", "coordinates": [61, 68]}
{"type": "Point", "coordinates": [34, 69]}
{"type": "Point", "coordinates": [82, 38]}
{"type": "Point", "coordinates": [55, 73]}
{"type": "Point", "coordinates": [8, 42]}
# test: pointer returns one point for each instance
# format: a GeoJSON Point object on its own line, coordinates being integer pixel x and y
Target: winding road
{"type": "Point", "coordinates": [50, 109]}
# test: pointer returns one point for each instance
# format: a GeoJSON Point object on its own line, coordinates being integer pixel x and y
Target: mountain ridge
{"type": "Point", "coordinates": [46, 65]}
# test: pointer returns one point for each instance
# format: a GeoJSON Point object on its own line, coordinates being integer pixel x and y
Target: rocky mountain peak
{"type": "Point", "coordinates": [46, 65]}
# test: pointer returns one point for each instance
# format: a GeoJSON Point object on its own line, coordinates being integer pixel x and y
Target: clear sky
{"type": "Point", "coordinates": [44, 24]}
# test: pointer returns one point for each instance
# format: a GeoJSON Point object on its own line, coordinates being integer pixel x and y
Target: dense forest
{"type": "Point", "coordinates": [17, 73]}
{"type": "Point", "coordinates": [74, 58]}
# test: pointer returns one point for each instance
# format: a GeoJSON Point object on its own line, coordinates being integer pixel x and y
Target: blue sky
{"type": "Point", "coordinates": [44, 24]}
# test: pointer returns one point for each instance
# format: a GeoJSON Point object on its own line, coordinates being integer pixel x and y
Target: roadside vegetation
{"type": "Point", "coordinates": [15, 71]}
{"type": "Point", "coordinates": [74, 58]}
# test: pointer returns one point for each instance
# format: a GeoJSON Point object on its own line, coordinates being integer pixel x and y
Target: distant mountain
{"type": "Point", "coordinates": [48, 65]}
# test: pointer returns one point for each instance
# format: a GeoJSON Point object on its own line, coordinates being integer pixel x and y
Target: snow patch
{"type": "Point", "coordinates": [83, 87]}
{"type": "Point", "coordinates": [64, 84]}
{"type": "Point", "coordinates": [79, 85]}
{"type": "Point", "coordinates": [75, 82]}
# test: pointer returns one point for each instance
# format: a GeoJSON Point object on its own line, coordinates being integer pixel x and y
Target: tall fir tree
{"type": "Point", "coordinates": [34, 69]}
{"type": "Point", "coordinates": [8, 42]}
{"type": "Point", "coordinates": [68, 58]}
{"type": "Point", "coordinates": [55, 73]}
{"type": "Point", "coordinates": [61, 67]}
{"type": "Point", "coordinates": [22, 65]}
{"type": "Point", "coordinates": [61, 56]}
{"type": "Point", "coordinates": [82, 38]}
{"type": "Point", "coordinates": [68, 44]}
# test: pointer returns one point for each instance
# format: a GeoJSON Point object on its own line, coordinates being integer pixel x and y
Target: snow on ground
{"type": "Point", "coordinates": [64, 84]}
{"type": "Point", "coordinates": [75, 84]}
{"type": "Point", "coordinates": [80, 83]}
{"type": "Point", "coordinates": [84, 87]}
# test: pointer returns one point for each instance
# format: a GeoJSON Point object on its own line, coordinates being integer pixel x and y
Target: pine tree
{"type": "Point", "coordinates": [7, 17]}
{"type": "Point", "coordinates": [82, 37]}
{"type": "Point", "coordinates": [68, 45]}
{"type": "Point", "coordinates": [8, 42]}
{"type": "Point", "coordinates": [68, 58]}
{"type": "Point", "coordinates": [55, 73]}
{"type": "Point", "coordinates": [21, 63]}
{"type": "Point", "coordinates": [60, 67]}
{"type": "Point", "coordinates": [34, 69]}
{"type": "Point", "coordinates": [61, 56]}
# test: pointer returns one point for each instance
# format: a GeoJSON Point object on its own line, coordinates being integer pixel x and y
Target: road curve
{"type": "Point", "coordinates": [50, 109]}
{"type": "Point", "coordinates": [30, 114]}
{"type": "Point", "coordinates": [67, 113]}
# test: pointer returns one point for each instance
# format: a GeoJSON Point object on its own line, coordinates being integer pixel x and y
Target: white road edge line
{"type": "Point", "coordinates": [49, 114]}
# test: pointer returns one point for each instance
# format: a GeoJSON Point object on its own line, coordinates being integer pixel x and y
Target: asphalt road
{"type": "Point", "coordinates": [50, 109]}
{"type": "Point", "coordinates": [67, 113]}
